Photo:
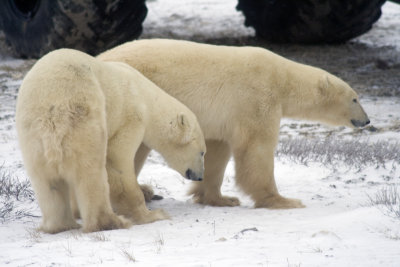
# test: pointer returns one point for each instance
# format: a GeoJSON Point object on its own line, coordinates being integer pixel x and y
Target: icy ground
{"type": "Point", "coordinates": [339, 226]}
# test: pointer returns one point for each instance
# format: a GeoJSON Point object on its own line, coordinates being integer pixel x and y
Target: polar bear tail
{"type": "Point", "coordinates": [52, 133]}
{"type": "Point", "coordinates": [55, 130]}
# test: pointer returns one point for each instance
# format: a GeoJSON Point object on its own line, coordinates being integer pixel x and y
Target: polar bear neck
{"type": "Point", "coordinates": [157, 128]}
{"type": "Point", "coordinates": [301, 95]}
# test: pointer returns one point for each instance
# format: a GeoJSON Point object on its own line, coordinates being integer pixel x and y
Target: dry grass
{"type": "Point", "coordinates": [12, 188]}
{"type": "Point", "coordinates": [387, 199]}
{"type": "Point", "coordinates": [128, 255]}
{"type": "Point", "coordinates": [11, 210]}
{"type": "Point", "coordinates": [12, 194]}
{"type": "Point", "coordinates": [159, 242]}
{"type": "Point", "coordinates": [332, 152]}
{"type": "Point", "coordinates": [99, 236]}
{"type": "Point", "coordinates": [76, 234]}
{"type": "Point", "coordinates": [34, 235]}
{"type": "Point", "coordinates": [68, 249]}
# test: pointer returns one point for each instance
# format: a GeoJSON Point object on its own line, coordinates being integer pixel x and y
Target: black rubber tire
{"type": "Point", "coordinates": [310, 21]}
{"type": "Point", "coordinates": [35, 27]}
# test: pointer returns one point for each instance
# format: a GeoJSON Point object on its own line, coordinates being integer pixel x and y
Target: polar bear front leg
{"type": "Point", "coordinates": [126, 196]}
{"type": "Point", "coordinates": [140, 157]}
{"type": "Point", "coordinates": [254, 163]}
{"type": "Point", "coordinates": [208, 191]}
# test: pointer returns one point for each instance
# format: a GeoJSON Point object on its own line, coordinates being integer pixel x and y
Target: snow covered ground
{"type": "Point", "coordinates": [339, 226]}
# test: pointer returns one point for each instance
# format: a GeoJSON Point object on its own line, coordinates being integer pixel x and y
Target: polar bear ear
{"type": "Point", "coordinates": [183, 121]}
{"type": "Point", "coordinates": [184, 127]}
{"type": "Point", "coordinates": [324, 84]}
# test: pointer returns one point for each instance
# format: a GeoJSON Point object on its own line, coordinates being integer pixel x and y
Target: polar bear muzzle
{"type": "Point", "coordinates": [358, 123]}
{"type": "Point", "coordinates": [191, 175]}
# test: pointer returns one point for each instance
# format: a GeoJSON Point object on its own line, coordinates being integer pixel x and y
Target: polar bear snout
{"type": "Point", "coordinates": [191, 175]}
{"type": "Point", "coordinates": [359, 123]}
{"type": "Point", "coordinates": [358, 116]}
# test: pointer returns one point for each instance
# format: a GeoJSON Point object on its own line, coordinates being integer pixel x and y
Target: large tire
{"type": "Point", "coordinates": [310, 21]}
{"type": "Point", "coordinates": [35, 27]}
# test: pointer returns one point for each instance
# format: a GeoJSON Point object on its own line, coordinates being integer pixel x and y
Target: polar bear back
{"type": "Point", "coordinates": [79, 83]}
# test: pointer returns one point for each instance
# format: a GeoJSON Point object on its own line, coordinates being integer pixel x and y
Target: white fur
{"type": "Point", "coordinates": [80, 122]}
{"type": "Point", "coordinates": [239, 95]}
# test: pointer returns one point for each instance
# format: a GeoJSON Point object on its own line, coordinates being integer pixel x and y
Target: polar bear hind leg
{"type": "Point", "coordinates": [53, 200]}
{"type": "Point", "coordinates": [85, 170]}
{"type": "Point", "coordinates": [255, 175]}
{"type": "Point", "coordinates": [51, 191]}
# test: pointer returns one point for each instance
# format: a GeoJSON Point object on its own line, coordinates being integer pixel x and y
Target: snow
{"type": "Point", "coordinates": [194, 19]}
{"type": "Point", "coordinates": [337, 228]}
{"type": "Point", "coordinates": [386, 30]}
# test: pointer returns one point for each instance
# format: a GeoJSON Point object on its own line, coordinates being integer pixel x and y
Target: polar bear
{"type": "Point", "coordinates": [239, 95]}
{"type": "Point", "coordinates": [80, 121]}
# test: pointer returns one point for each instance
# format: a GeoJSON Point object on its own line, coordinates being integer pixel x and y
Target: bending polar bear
{"type": "Point", "coordinates": [239, 95]}
{"type": "Point", "coordinates": [79, 119]}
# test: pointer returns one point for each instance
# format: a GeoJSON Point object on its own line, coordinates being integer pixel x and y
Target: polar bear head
{"type": "Point", "coordinates": [185, 147]}
{"type": "Point", "coordinates": [340, 105]}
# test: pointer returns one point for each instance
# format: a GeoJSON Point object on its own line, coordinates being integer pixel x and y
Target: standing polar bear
{"type": "Point", "coordinates": [239, 95]}
{"type": "Point", "coordinates": [80, 122]}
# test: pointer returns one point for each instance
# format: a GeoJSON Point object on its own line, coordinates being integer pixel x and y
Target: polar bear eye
{"type": "Point", "coordinates": [355, 100]}
{"type": "Point", "coordinates": [202, 153]}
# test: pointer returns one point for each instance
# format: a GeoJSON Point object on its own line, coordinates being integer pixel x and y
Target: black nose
{"type": "Point", "coordinates": [358, 123]}
{"type": "Point", "coordinates": [192, 176]}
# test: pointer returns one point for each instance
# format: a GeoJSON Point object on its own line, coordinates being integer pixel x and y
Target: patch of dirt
{"type": "Point", "coordinates": [4, 49]}
{"type": "Point", "coordinates": [370, 70]}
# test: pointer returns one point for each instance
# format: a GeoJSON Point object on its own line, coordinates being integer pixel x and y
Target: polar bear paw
{"type": "Point", "coordinates": [53, 228]}
{"type": "Point", "coordinates": [279, 202]}
{"type": "Point", "coordinates": [218, 201]}
{"type": "Point", "coordinates": [149, 216]}
{"type": "Point", "coordinates": [147, 191]}
{"type": "Point", "coordinates": [108, 222]}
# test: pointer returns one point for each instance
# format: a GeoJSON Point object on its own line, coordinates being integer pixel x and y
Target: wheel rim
{"type": "Point", "coordinates": [24, 8]}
